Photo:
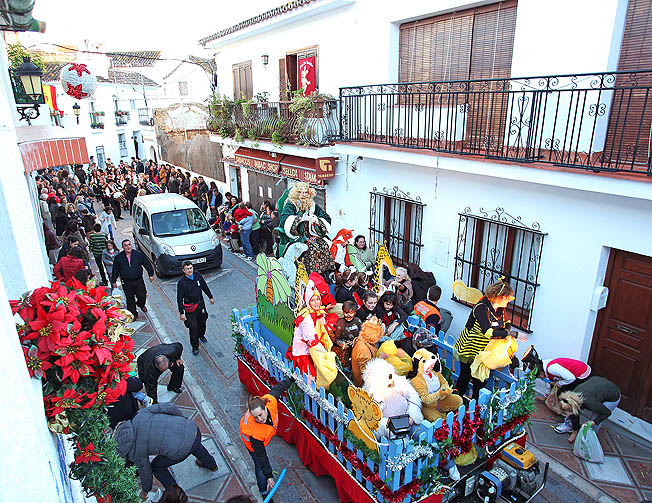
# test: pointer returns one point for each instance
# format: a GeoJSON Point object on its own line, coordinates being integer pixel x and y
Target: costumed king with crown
{"type": "Point", "coordinates": [305, 221]}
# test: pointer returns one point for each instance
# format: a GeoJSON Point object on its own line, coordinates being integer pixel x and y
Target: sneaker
{"type": "Point", "coordinates": [203, 339]}
{"type": "Point", "coordinates": [202, 465]}
{"type": "Point", "coordinates": [563, 428]}
{"type": "Point", "coordinates": [195, 351]}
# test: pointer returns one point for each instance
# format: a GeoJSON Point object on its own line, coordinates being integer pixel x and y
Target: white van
{"type": "Point", "coordinates": [169, 229]}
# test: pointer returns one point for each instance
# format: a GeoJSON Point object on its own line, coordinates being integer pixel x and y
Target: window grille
{"type": "Point", "coordinates": [494, 244]}
{"type": "Point", "coordinates": [183, 88]}
{"type": "Point", "coordinates": [396, 220]}
{"type": "Point", "coordinates": [122, 143]}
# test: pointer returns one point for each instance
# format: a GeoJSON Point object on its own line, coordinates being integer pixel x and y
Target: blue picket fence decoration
{"type": "Point", "coordinates": [247, 321]}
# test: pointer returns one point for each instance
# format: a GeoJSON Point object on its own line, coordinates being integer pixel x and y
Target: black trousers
{"type": "Point", "coordinates": [265, 240]}
{"type": "Point", "coordinates": [464, 379]}
{"type": "Point", "coordinates": [100, 267]}
{"type": "Point", "coordinates": [135, 293]}
{"type": "Point", "coordinates": [117, 210]}
{"type": "Point", "coordinates": [160, 463]}
{"type": "Point", "coordinates": [151, 386]}
{"type": "Point", "coordinates": [196, 325]}
{"type": "Point", "coordinates": [254, 239]}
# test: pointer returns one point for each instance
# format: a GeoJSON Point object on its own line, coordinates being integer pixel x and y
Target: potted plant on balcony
{"type": "Point", "coordinates": [121, 113]}
{"type": "Point", "coordinates": [97, 125]}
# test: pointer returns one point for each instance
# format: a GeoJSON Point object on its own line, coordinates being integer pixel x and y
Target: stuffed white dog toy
{"type": "Point", "coordinates": [394, 393]}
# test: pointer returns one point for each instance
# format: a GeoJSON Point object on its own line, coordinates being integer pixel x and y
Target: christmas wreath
{"type": "Point", "coordinates": [75, 341]}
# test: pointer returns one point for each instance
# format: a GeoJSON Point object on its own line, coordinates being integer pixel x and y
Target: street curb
{"type": "Point", "coordinates": [568, 475]}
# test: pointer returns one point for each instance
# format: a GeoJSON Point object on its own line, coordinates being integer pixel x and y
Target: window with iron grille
{"type": "Point", "coordinates": [183, 88]}
{"type": "Point", "coordinates": [143, 116]}
{"type": "Point", "coordinates": [396, 220]}
{"type": "Point", "coordinates": [493, 244]}
{"type": "Point", "coordinates": [122, 144]}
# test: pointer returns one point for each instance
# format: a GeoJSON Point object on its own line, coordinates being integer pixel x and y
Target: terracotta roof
{"type": "Point", "coordinates": [133, 59]}
{"type": "Point", "coordinates": [52, 73]}
{"type": "Point", "coordinates": [286, 7]}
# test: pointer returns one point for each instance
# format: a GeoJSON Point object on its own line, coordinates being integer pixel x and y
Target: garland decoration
{"type": "Point", "coordinates": [76, 343]}
{"type": "Point", "coordinates": [397, 496]}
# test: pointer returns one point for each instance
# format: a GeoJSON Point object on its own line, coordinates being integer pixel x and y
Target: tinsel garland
{"type": "Point", "coordinates": [397, 496]}
{"type": "Point", "coordinates": [399, 462]}
{"type": "Point", "coordinates": [264, 375]}
{"type": "Point", "coordinates": [490, 438]}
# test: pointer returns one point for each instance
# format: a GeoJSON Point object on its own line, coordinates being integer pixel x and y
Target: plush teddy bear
{"type": "Point", "coordinates": [367, 416]}
{"type": "Point", "coordinates": [432, 387]}
{"type": "Point", "coordinates": [394, 394]}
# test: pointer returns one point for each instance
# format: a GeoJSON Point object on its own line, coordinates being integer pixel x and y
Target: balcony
{"type": "Point", "coordinates": [121, 118]}
{"type": "Point", "coordinates": [597, 122]}
{"type": "Point", "coordinates": [309, 121]}
{"type": "Point", "coordinates": [144, 118]}
{"type": "Point", "coordinates": [97, 120]}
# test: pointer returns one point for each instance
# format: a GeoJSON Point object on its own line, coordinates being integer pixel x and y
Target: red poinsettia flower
{"type": "Point", "coordinates": [102, 352]}
{"type": "Point", "coordinates": [23, 307]}
{"type": "Point", "coordinates": [50, 326]}
{"type": "Point", "coordinates": [75, 370]}
{"type": "Point", "coordinates": [73, 348]}
{"type": "Point", "coordinates": [70, 400]}
{"type": "Point", "coordinates": [62, 298]}
{"type": "Point", "coordinates": [36, 362]}
{"type": "Point", "coordinates": [87, 454]}
{"type": "Point", "coordinates": [103, 499]}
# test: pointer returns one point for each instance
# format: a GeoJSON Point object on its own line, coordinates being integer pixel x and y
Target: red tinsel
{"type": "Point", "coordinates": [258, 369]}
{"type": "Point", "coordinates": [491, 438]}
{"type": "Point", "coordinates": [392, 496]}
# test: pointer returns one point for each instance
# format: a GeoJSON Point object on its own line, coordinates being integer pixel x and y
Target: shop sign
{"type": "Point", "coordinates": [325, 167]}
{"type": "Point", "coordinates": [259, 164]}
{"type": "Point", "coordinates": [300, 174]}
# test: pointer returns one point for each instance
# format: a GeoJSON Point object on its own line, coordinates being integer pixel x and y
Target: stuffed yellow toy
{"type": "Point", "coordinates": [434, 390]}
{"type": "Point", "coordinates": [496, 355]}
{"type": "Point", "coordinates": [399, 359]}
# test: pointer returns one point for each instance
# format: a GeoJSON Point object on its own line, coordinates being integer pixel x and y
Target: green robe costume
{"type": "Point", "coordinates": [318, 258]}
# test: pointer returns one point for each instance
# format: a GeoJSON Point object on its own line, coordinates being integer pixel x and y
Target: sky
{"type": "Point", "coordinates": [141, 24]}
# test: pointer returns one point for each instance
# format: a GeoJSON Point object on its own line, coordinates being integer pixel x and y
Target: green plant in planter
{"type": "Point", "coordinates": [261, 97]}
{"type": "Point", "coordinates": [251, 134]}
{"type": "Point", "coordinates": [278, 139]}
{"type": "Point", "coordinates": [238, 136]}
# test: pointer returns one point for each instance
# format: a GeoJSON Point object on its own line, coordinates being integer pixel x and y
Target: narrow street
{"type": "Point", "coordinates": [216, 400]}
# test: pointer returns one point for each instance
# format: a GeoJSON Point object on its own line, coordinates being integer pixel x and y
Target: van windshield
{"type": "Point", "coordinates": [178, 222]}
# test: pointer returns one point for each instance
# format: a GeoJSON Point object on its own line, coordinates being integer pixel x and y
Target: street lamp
{"type": "Point", "coordinates": [29, 76]}
{"type": "Point", "coordinates": [265, 58]}
{"type": "Point", "coordinates": [76, 109]}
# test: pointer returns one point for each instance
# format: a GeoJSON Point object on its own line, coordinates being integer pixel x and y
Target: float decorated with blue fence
{"type": "Point", "coordinates": [390, 438]}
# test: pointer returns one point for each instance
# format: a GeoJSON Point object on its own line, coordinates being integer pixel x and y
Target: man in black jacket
{"type": "Point", "coordinates": [156, 360]}
{"type": "Point", "coordinates": [202, 190]}
{"type": "Point", "coordinates": [128, 265]}
{"type": "Point", "coordinates": [190, 301]}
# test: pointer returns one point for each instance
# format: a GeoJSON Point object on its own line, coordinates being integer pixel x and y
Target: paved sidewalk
{"type": "Point", "coordinates": [625, 475]}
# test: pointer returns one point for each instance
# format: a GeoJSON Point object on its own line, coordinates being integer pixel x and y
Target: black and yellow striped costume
{"type": "Point", "coordinates": [484, 323]}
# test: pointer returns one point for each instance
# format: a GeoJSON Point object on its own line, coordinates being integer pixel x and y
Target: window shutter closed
{"type": "Point", "coordinates": [282, 81]}
{"type": "Point", "coordinates": [242, 81]}
{"type": "Point", "coordinates": [458, 46]}
{"type": "Point", "coordinates": [630, 120]}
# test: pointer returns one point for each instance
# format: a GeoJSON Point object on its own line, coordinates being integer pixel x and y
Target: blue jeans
{"type": "Point", "coordinates": [261, 480]}
{"type": "Point", "coordinates": [245, 238]}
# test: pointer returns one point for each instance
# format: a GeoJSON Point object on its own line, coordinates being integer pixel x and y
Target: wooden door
{"type": "Point", "coordinates": [622, 343]}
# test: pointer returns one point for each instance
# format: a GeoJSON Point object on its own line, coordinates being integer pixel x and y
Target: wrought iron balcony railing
{"type": "Point", "coordinates": [314, 124]}
{"type": "Point", "coordinates": [598, 121]}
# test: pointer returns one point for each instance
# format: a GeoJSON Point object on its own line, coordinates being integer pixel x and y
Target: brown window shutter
{"type": "Point", "coordinates": [291, 71]}
{"type": "Point", "coordinates": [249, 85]}
{"type": "Point", "coordinates": [242, 81]}
{"type": "Point", "coordinates": [442, 48]}
{"type": "Point", "coordinates": [236, 83]}
{"type": "Point", "coordinates": [282, 80]}
{"type": "Point", "coordinates": [630, 120]}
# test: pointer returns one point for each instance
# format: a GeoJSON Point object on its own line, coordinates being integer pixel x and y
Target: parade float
{"type": "Point", "coordinates": [336, 426]}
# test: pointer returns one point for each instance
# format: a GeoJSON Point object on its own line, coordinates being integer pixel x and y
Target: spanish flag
{"type": "Point", "coordinates": [50, 95]}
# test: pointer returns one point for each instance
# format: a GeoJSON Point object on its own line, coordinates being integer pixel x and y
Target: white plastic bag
{"type": "Point", "coordinates": [587, 446]}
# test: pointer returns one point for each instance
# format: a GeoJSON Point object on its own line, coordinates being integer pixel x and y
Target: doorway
{"type": "Point", "coordinates": [236, 181]}
{"type": "Point", "coordinates": [101, 158]}
{"type": "Point", "coordinates": [621, 349]}
{"type": "Point", "coordinates": [138, 143]}
{"type": "Point", "coordinates": [264, 187]}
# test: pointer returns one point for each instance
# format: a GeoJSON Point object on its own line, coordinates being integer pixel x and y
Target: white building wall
{"type": "Point", "coordinates": [580, 226]}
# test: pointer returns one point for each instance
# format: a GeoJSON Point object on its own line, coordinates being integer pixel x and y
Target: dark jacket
{"type": "Point", "coordinates": [343, 293]}
{"type": "Point", "coordinates": [202, 189]}
{"type": "Point", "coordinates": [51, 241]}
{"type": "Point", "coordinates": [60, 223]}
{"type": "Point", "coordinates": [148, 372]}
{"type": "Point", "coordinates": [130, 272]}
{"type": "Point", "coordinates": [173, 185]}
{"type": "Point", "coordinates": [127, 406]}
{"type": "Point", "coordinates": [595, 391]}
{"type": "Point", "coordinates": [189, 291]}
{"type": "Point", "coordinates": [160, 429]}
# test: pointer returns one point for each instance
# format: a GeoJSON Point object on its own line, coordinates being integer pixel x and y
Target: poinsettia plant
{"type": "Point", "coordinates": [75, 341]}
